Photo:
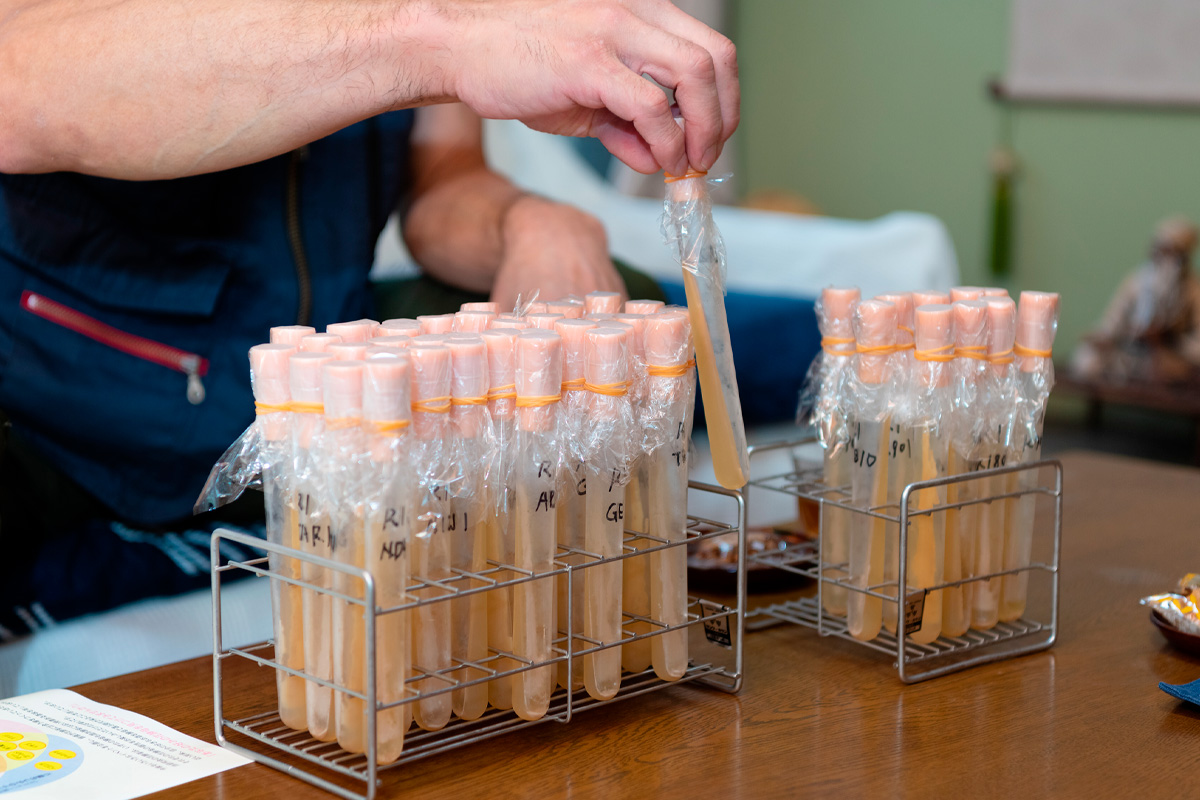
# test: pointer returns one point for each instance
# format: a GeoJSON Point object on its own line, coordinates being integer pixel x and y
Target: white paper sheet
{"type": "Point", "coordinates": [59, 745]}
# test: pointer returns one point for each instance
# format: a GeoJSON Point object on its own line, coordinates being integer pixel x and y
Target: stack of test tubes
{"type": "Point", "coordinates": [917, 386]}
{"type": "Point", "coordinates": [467, 454]}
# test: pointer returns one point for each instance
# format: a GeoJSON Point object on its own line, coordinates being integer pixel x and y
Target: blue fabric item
{"type": "Point", "coordinates": [774, 341]}
{"type": "Point", "coordinates": [1184, 691]}
{"type": "Point", "coordinates": [202, 264]}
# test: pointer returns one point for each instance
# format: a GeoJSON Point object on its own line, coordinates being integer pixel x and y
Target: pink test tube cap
{"type": "Point", "coordinates": [304, 376]}
{"type": "Point", "coordinates": [921, 298]}
{"type": "Point", "coordinates": [386, 391]}
{"type": "Point", "coordinates": [1002, 327]}
{"type": "Point", "coordinates": [374, 351]}
{"type": "Point", "coordinates": [318, 342]}
{"type": "Point", "coordinates": [360, 330]}
{"type": "Point", "coordinates": [491, 308]}
{"type": "Point", "coordinates": [348, 351]}
{"type": "Point", "coordinates": [539, 363]}
{"type": "Point", "coordinates": [904, 314]}
{"type": "Point", "coordinates": [400, 327]}
{"type": "Point", "coordinates": [545, 320]}
{"type": "Point", "coordinates": [958, 293]}
{"type": "Point", "coordinates": [934, 327]}
{"type": "Point", "coordinates": [1037, 322]}
{"type": "Point", "coordinates": [835, 311]}
{"type": "Point", "coordinates": [574, 337]}
{"type": "Point", "coordinates": [429, 338]}
{"type": "Point", "coordinates": [668, 339]}
{"type": "Point", "coordinates": [269, 372]}
{"type": "Point", "coordinates": [511, 323]}
{"type": "Point", "coordinates": [501, 346]}
{"type": "Point", "coordinates": [436, 323]}
{"type": "Point", "coordinates": [468, 357]}
{"type": "Point", "coordinates": [970, 323]}
{"type": "Point", "coordinates": [473, 321]}
{"type": "Point", "coordinates": [636, 342]}
{"type": "Point", "coordinates": [395, 342]}
{"type": "Point", "coordinates": [994, 291]}
{"type": "Point", "coordinates": [290, 334]}
{"type": "Point", "coordinates": [429, 372]}
{"type": "Point", "coordinates": [607, 355]}
{"type": "Point", "coordinates": [343, 389]}
{"type": "Point", "coordinates": [646, 307]}
{"type": "Point", "coordinates": [567, 308]}
{"type": "Point", "coordinates": [874, 326]}
{"type": "Point", "coordinates": [536, 307]}
{"type": "Point", "coordinates": [601, 303]}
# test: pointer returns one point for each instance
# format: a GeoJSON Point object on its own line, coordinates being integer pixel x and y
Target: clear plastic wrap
{"type": "Point", "coordinates": [539, 386]}
{"type": "Point", "coordinates": [667, 422]}
{"type": "Point", "coordinates": [869, 389]}
{"type": "Point", "coordinates": [1037, 323]}
{"type": "Point", "coordinates": [609, 452]}
{"type": "Point", "coordinates": [437, 478]}
{"type": "Point", "coordinates": [572, 480]}
{"type": "Point", "coordinates": [473, 444]}
{"type": "Point", "coordinates": [502, 393]}
{"type": "Point", "coordinates": [688, 228]}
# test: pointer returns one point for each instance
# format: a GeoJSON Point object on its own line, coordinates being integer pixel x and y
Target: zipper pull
{"type": "Point", "coordinates": [195, 387]}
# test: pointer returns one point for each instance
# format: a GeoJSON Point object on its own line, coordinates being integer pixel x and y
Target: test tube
{"type": "Point", "coordinates": [1037, 322]}
{"type": "Point", "coordinates": [389, 520]}
{"type": "Point", "coordinates": [341, 448]}
{"type": "Point", "coordinates": [572, 487]}
{"type": "Point", "coordinates": [502, 392]}
{"type": "Point", "coordinates": [269, 380]}
{"type": "Point", "coordinates": [607, 375]}
{"type": "Point", "coordinates": [875, 332]}
{"type": "Point", "coordinates": [901, 466]}
{"type": "Point", "coordinates": [313, 535]}
{"type": "Point", "coordinates": [671, 393]}
{"type": "Point", "coordinates": [835, 314]}
{"type": "Point", "coordinates": [468, 510]}
{"type": "Point", "coordinates": [429, 381]}
{"type": "Point", "coordinates": [539, 382]}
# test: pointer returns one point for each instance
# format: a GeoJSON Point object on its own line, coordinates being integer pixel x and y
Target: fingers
{"type": "Point", "coordinates": [632, 98]}
{"type": "Point", "coordinates": [624, 142]}
{"type": "Point", "coordinates": [702, 146]}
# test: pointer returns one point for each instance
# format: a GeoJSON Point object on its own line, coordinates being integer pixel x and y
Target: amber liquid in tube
{"type": "Point", "coordinates": [287, 601]}
{"type": "Point", "coordinates": [668, 568]}
{"type": "Point", "coordinates": [869, 483]}
{"type": "Point", "coordinates": [835, 530]}
{"type": "Point", "coordinates": [961, 524]}
{"type": "Point", "coordinates": [901, 472]}
{"type": "Point", "coordinates": [572, 493]}
{"type": "Point", "coordinates": [468, 614]}
{"type": "Point", "coordinates": [926, 534]}
{"type": "Point", "coordinates": [389, 531]}
{"type": "Point", "coordinates": [350, 636]}
{"type": "Point", "coordinates": [636, 572]}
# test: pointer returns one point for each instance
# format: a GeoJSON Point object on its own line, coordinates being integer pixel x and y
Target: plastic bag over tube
{"type": "Point", "coordinates": [688, 227]}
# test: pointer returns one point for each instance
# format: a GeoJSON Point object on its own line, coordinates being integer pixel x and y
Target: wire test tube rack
{"type": "Point", "coordinates": [715, 655]}
{"type": "Point", "coordinates": [914, 661]}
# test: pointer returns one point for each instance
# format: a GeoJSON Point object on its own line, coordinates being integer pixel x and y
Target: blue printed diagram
{"type": "Point", "coordinates": [29, 757]}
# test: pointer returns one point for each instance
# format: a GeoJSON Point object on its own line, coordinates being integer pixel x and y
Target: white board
{"type": "Point", "coordinates": [1105, 51]}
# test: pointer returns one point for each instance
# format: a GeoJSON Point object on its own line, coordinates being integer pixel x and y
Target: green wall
{"type": "Point", "coordinates": [870, 106]}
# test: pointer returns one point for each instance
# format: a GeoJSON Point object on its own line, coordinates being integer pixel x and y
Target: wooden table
{"type": "Point", "coordinates": [826, 718]}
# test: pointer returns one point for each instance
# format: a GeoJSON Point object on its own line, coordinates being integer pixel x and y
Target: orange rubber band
{"type": "Point", "coordinates": [269, 408]}
{"type": "Point", "coordinates": [1003, 357]}
{"type": "Point", "coordinates": [434, 405]}
{"type": "Point", "coordinates": [608, 389]}
{"type": "Point", "coordinates": [1027, 352]}
{"type": "Point", "coordinates": [469, 401]}
{"type": "Point", "coordinates": [830, 342]}
{"type": "Point", "coordinates": [691, 173]}
{"type": "Point", "coordinates": [573, 385]}
{"type": "Point", "coordinates": [677, 371]}
{"type": "Point", "coordinates": [506, 392]}
{"type": "Point", "coordinates": [538, 401]}
{"type": "Point", "coordinates": [307, 408]}
{"type": "Point", "coordinates": [978, 352]}
{"type": "Point", "coordinates": [391, 427]}
{"type": "Point", "coordinates": [877, 350]}
{"type": "Point", "coordinates": [943, 354]}
{"type": "Point", "coordinates": [909, 346]}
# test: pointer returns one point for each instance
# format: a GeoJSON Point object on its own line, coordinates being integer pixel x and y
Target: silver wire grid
{"type": "Point", "coordinates": [914, 661]}
{"type": "Point", "coordinates": [715, 649]}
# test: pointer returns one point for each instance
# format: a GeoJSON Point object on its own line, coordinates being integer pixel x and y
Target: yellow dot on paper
{"type": "Point", "coordinates": [11, 737]}
{"type": "Point", "coordinates": [32, 745]}
{"type": "Point", "coordinates": [19, 755]}
{"type": "Point", "coordinates": [62, 754]}
{"type": "Point", "coordinates": [7, 746]}
{"type": "Point", "coordinates": [49, 766]}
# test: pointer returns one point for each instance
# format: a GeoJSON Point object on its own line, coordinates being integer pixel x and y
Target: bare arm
{"type": "Point", "coordinates": [471, 228]}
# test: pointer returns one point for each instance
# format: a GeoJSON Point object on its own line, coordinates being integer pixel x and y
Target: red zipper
{"type": "Point", "coordinates": [164, 355]}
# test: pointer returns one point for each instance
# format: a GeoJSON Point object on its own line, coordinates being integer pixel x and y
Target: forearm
{"type": "Point", "coordinates": [146, 89]}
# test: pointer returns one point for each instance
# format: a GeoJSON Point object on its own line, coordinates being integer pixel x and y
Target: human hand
{"type": "Point", "coordinates": [574, 67]}
{"type": "Point", "coordinates": [554, 249]}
